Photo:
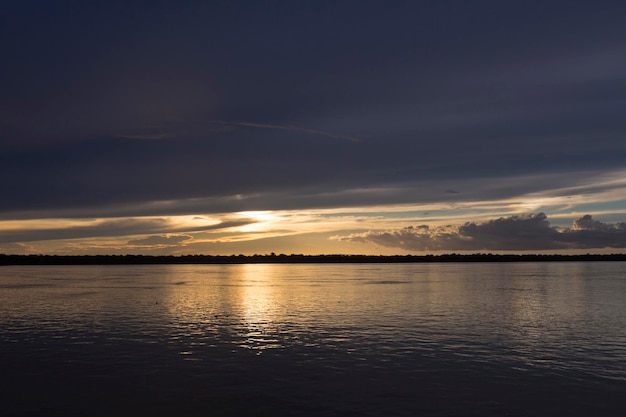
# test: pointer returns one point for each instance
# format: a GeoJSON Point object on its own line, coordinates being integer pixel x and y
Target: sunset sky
{"type": "Point", "coordinates": [374, 127]}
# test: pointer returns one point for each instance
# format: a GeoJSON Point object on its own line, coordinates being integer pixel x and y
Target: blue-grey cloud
{"type": "Point", "coordinates": [161, 240]}
{"type": "Point", "coordinates": [110, 228]}
{"type": "Point", "coordinates": [473, 91]}
{"type": "Point", "coordinates": [327, 194]}
{"type": "Point", "coordinates": [519, 233]}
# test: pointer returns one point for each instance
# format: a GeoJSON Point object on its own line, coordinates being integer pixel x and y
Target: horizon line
{"type": "Point", "coordinates": [139, 259]}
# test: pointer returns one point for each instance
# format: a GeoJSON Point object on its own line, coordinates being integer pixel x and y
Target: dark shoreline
{"type": "Point", "coordinates": [291, 259]}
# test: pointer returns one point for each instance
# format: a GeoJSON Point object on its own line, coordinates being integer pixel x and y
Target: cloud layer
{"type": "Point", "coordinates": [130, 112]}
{"type": "Point", "coordinates": [114, 119]}
{"type": "Point", "coordinates": [514, 233]}
{"type": "Point", "coordinates": [111, 228]}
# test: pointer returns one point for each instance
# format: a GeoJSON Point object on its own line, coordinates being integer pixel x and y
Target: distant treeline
{"type": "Point", "coordinates": [295, 258]}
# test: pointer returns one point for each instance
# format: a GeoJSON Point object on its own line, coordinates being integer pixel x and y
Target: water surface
{"type": "Point", "coordinates": [517, 339]}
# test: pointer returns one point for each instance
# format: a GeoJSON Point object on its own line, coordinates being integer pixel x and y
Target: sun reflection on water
{"type": "Point", "coordinates": [238, 306]}
{"type": "Point", "coordinates": [260, 308]}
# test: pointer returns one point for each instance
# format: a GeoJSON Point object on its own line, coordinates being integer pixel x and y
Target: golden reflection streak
{"type": "Point", "coordinates": [260, 307]}
{"type": "Point", "coordinates": [241, 306]}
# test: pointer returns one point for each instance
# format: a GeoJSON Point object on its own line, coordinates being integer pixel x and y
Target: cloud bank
{"type": "Point", "coordinates": [523, 232]}
{"type": "Point", "coordinates": [124, 117]}
{"type": "Point", "coordinates": [113, 228]}
{"type": "Point", "coordinates": [472, 111]}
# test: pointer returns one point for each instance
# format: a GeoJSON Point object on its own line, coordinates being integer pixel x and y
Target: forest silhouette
{"type": "Point", "coordinates": [293, 259]}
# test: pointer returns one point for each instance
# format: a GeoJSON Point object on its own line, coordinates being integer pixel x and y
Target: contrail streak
{"type": "Point", "coordinates": [289, 128]}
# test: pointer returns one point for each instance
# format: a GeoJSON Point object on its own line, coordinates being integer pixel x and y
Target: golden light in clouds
{"type": "Point", "coordinates": [262, 220]}
{"type": "Point", "coordinates": [294, 231]}
{"type": "Point", "coordinates": [39, 224]}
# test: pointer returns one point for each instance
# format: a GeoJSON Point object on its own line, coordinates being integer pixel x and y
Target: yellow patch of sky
{"type": "Point", "coordinates": [560, 205]}
{"type": "Point", "coordinates": [39, 224]}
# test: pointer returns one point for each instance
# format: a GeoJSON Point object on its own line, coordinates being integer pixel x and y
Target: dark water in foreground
{"type": "Point", "coordinates": [527, 339]}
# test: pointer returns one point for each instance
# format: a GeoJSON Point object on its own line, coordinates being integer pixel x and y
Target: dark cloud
{"type": "Point", "coordinates": [116, 227]}
{"type": "Point", "coordinates": [301, 195]}
{"type": "Point", "coordinates": [16, 248]}
{"type": "Point", "coordinates": [526, 232]}
{"type": "Point", "coordinates": [119, 105]}
{"type": "Point", "coordinates": [587, 223]}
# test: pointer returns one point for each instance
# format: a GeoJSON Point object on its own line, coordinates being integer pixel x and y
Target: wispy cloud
{"type": "Point", "coordinates": [292, 128]}
{"type": "Point", "coordinates": [112, 228]}
{"type": "Point", "coordinates": [519, 232]}
{"type": "Point", "coordinates": [148, 136]}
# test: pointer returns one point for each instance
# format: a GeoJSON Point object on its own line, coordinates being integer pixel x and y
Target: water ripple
{"type": "Point", "coordinates": [348, 338]}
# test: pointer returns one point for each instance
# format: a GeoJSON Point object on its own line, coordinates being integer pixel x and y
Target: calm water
{"type": "Point", "coordinates": [539, 339]}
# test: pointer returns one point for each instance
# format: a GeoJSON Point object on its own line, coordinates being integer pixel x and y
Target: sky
{"type": "Point", "coordinates": [372, 127]}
